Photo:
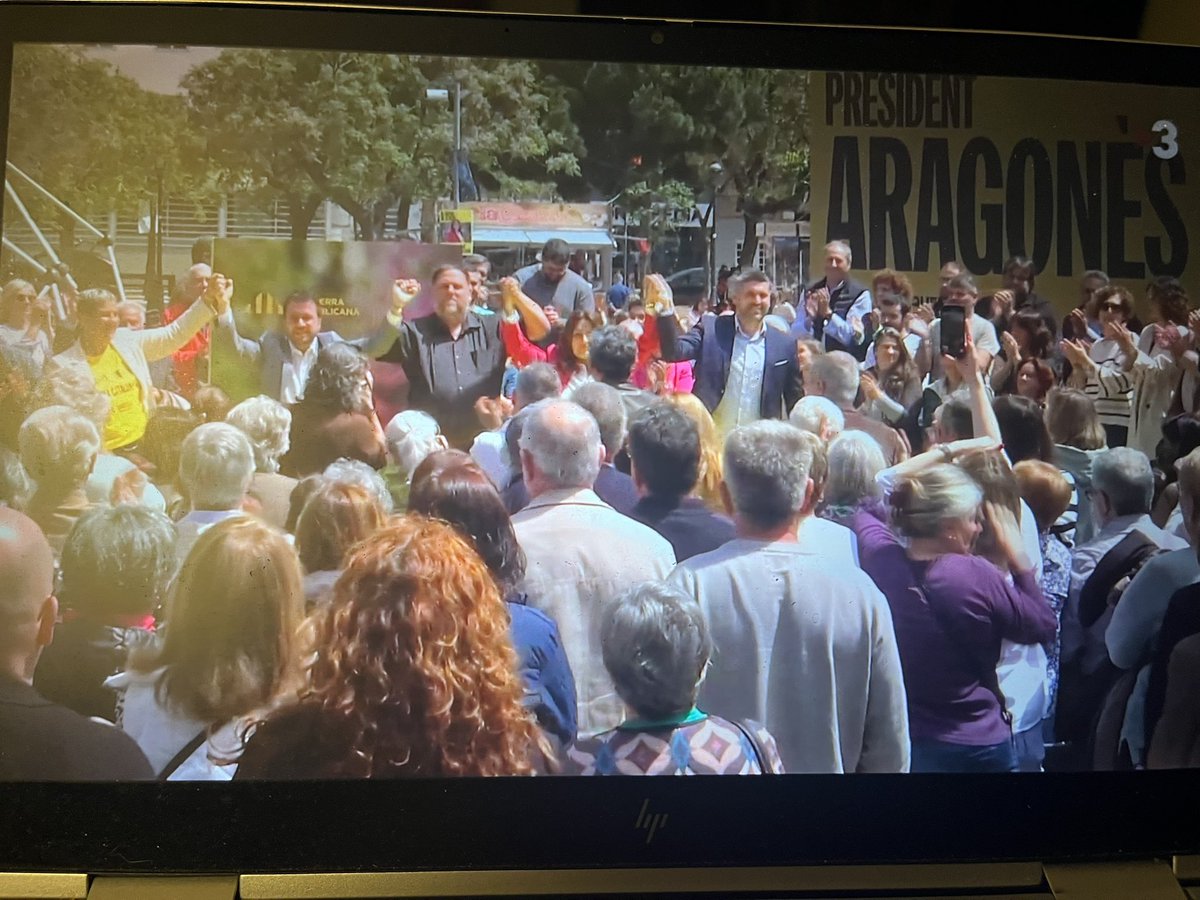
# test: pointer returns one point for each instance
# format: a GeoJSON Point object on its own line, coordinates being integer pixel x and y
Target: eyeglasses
{"type": "Point", "coordinates": [1112, 307]}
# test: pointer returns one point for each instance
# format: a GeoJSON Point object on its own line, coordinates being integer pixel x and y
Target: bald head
{"type": "Point", "coordinates": [26, 582]}
{"type": "Point", "coordinates": [560, 447]}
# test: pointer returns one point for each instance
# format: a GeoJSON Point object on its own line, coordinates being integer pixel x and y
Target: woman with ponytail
{"type": "Point", "coordinates": [952, 609]}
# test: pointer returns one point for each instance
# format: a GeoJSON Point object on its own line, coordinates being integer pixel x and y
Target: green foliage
{"type": "Point", "coordinates": [358, 128]}
{"type": "Point", "coordinates": [652, 130]}
{"type": "Point", "coordinates": [93, 137]}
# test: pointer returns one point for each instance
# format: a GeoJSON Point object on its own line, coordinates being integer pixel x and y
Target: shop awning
{"type": "Point", "coordinates": [575, 237]}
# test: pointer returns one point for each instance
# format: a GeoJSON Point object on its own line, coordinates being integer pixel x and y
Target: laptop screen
{"type": "Point", "coordinates": [388, 408]}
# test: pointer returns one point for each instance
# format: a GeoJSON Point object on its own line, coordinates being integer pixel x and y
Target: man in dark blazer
{"type": "Point", "coordinates": [285, 357]}
{"type": "Point", "coordinates": [745, 371]}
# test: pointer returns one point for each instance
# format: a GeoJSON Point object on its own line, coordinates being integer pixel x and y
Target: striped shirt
{"type": "Point", "coordinates": [1111, 388]}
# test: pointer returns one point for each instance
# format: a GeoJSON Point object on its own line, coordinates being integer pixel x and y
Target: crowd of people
{"type": "Point", "coordinates": [810, 534]}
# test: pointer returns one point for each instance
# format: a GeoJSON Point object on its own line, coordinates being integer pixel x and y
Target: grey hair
{"type": "Point", "coordinates": [742, 280]}
{"type": "Point", "coordinates": [767, 466]}
{"type": "Point", "coordinates": [923, 502]}
{"type": "Point", "coordinates": [1123, 474]}
{"type": "Point", "coordinates": [538, 381]}
{"type": "Point", "coordinates": [118, 559]}
{"type": "Point", "coordinates": [1095, 273]}
{"type": "Point", "coordinates": [268, 424]}
{"type": "Point", "coordinates": [72, 384]}
{"type": "Point", "coordinates": [355, 471]}
{"type": "Point", "coordinates": [563, 440]}
{"type": "Point", "coordinates": [963, 282]}
{"type": "Point", "coordinates": [838, 371]}
{"type": "Point", "coordinates": [604, 402]}
{"type": "Point", "coordinates": [15, 486]}
{"type": "Point", "coordinates": [58, 447]}
{"type": "Point", "coordinates": [216, 464]}
{"type": "Point", "coordinates": [855, 458]}
{"type": "Point", "coordinates": [92, 299]}
{"type": "Point", "coordinates": [411, 436]}
{"type": "Point", "coordinates": [133, 304]}
{"type": "Point", "coordinates": [656, 645]}
{"type": "Point", "coordinates": [813, 414]}
{"type": "Point", "coordinates": [843, 248]}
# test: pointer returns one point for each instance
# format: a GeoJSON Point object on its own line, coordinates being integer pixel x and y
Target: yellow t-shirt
{"type": "Point", "coordinates": [127, 422]}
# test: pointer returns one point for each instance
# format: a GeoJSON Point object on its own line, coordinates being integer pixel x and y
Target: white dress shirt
{"type": "Point", "coordinates": [296, 369]}
{"type": "Point", "coordinates": [742, 401]}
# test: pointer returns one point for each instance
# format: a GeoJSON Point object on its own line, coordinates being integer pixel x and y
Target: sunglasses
{"type": "Point", "coordinates": [1112, 307]}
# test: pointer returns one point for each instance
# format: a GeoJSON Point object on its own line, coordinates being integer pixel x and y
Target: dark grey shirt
{"type": "Point", "coordinates": [446, 376]}
{"type": "Point", "coordinates": [568, 294]}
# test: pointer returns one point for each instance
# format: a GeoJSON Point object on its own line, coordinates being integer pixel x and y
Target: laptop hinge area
{"type": "Point", "coordinates": [1143, 879]}
{"type": "Point", "coordinates": [221, 887]}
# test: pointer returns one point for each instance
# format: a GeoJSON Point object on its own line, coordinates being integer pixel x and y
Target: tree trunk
{"type": "Point", "coordinates": [749, 241]}
{"type": "Point", "coordinates": [66, 233]}
{"type": "Point", "coordinates": [403, 205]}
{"type": "Point", "coordinates": [300, 216]}
{"type": "Point", "coordinates": [364, 221]}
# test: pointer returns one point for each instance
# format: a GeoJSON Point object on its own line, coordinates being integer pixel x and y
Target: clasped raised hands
{"type": "Point", "coordinates": [659, 297]}
{"type": "Point", "coordinates": [219, 296]}
{"type": "Point", "coordinates": [510, 289]}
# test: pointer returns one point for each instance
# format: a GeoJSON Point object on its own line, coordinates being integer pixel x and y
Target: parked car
{"type": "Point", "coordinates": [687, 286]}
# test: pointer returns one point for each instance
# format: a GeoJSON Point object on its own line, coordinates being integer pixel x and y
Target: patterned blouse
{"type": "Point", "coordinates": [699, 744]}
{"type": "Point", "coordinates": [1055, 582]}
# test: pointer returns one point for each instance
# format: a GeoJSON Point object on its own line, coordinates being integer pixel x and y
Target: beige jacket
{"type": "Point", "coordinates": [581, 555]}
{"type": "Point", "coordinates": [140, 348]}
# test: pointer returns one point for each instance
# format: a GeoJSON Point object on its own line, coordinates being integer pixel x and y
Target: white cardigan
{"type": "Point", "coordinates": [140, 348]}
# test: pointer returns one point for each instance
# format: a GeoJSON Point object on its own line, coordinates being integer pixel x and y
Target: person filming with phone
{"type": "Point", "coordinates": [947, 334]}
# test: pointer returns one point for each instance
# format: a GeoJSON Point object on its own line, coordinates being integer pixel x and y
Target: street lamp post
{"type": "Point", "coordinates": [456, 155]}
{"type": "Point", "coordinates": [715, 171]}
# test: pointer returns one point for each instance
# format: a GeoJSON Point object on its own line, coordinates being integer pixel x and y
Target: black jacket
{"type": "Point", "coordinates": [72, 670]}
{"type": "Point", "coordinates": [41, 741]}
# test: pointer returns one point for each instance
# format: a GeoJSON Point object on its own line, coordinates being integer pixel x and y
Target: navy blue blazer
{"type": "Point", "coordinates": [710, 344]}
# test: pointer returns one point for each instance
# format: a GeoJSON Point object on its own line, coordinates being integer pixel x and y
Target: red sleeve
{"type": "Point", "coordinates": [648, 345]}
{"type": "Point", "coordinates": [522, 350]}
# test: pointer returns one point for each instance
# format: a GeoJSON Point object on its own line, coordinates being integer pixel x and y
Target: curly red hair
{"type": "Point", "coordinates": [417, 671]}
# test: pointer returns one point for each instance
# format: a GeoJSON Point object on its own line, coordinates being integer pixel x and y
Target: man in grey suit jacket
{"type": "Point", "coordinates": [286, 357]}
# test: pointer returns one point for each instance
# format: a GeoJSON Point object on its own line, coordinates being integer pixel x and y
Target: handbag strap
{"type": "Point", "coordinates": [182, 756]}
{"type": "Point", "coordinates": [755, 746]}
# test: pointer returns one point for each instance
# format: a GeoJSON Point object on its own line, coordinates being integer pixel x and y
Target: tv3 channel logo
{"type": "Point", "coordinates": [650, 822]}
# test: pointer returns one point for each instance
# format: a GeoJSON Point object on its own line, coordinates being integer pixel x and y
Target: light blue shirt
{"type": "Point", "coordinates": [742, 402]}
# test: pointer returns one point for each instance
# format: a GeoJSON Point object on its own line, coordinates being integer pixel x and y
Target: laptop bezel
{"type": "Point", "coordinates": [576, 822]}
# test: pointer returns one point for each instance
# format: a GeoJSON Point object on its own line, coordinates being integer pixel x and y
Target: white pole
{"type": "Point", "coordinates": [25, 257]}
{"type": "Point", "coordinates": [62, 206]}
{"type": "Point", "coordinates": [37, 232]}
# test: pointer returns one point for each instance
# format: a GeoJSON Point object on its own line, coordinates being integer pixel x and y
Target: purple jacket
{"type": "Point", "coordinates": [950, 615]}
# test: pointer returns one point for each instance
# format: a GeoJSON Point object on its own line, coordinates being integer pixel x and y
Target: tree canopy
{"type": "Point", "coordinates": [359, 129]}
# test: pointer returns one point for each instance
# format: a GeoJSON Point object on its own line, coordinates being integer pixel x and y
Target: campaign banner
{"type": "Point", "coordinates": [539, 215]}
{"type": "Point", "coordinates": [916, 170]}
{"type": "Point", "coordinates": [351, 281]}
{"type": "Point", "coordinates": [455, 226]}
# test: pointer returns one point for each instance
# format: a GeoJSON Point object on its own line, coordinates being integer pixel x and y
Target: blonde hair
{"type": "Point", "coordinates": [1072, 420]}
{"type": "Point", "coordinates": [712, 470]}
{"type": "Point", "coordinates": [229, 641]}
{"type": "Point", "coordinates": [58, 447]}
{"type": "Point", "coordinates": [922, 502]}
{"type": "Point", "coordinates": [268, 424]}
